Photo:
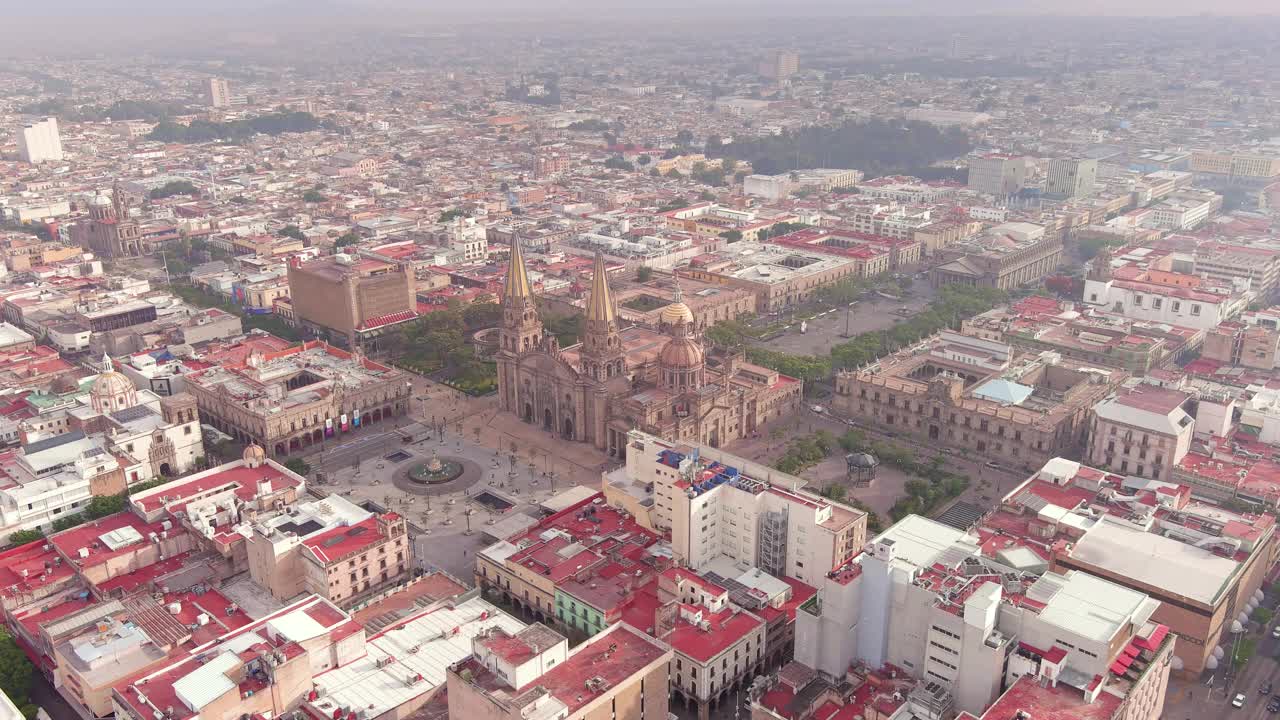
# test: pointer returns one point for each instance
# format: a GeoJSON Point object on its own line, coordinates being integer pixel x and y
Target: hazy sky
{"type": "Point", "coordinates": [74, 27]}
{"type": "Point", "coordinates": [549, 8]}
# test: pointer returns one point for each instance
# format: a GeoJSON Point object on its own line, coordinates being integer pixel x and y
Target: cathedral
{"type": "Point", "coordinates": [110, 232]}
{"type": "Point", "coordinates": [619, 379]}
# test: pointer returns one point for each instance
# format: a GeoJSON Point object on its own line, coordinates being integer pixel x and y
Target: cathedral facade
{"type": "Point", "coordinates": [619, 379]}
{"type": "Point", "coordinates": [110, 232]}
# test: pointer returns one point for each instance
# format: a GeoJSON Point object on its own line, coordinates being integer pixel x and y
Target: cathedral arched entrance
{"type": "Point", "coordinates": [568, 428]}
{"type": "Point", "coordinates": [165, 470]}
{"type": "Point", "coordinates": [528, 412]}
{"type": "Point", "coordinates": [548, 423]}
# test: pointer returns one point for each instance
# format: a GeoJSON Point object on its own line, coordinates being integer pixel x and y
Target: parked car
{"type": "Point", "coordinates": [1238, 700]}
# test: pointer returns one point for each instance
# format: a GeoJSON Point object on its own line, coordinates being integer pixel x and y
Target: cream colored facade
{"type": "Point", "coordinates": [272, 401]}
{"type": "Point", "coordinates": [772, 524]}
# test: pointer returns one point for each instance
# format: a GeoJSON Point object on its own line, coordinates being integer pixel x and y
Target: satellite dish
{"type": "Point", "coordinates": [1236, 627]}
{"type": "Point", "coordinates": [1177, 663]}
{"type": "Point", "coordinates": [1211, 663]}
{"type": "Point", "coordinates": [1218, 652]}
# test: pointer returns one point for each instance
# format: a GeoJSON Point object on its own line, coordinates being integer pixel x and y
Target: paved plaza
{"type": "Point", "coordinates": [836, 326]}
{"type": "Point", "coordinates": [502, 460]}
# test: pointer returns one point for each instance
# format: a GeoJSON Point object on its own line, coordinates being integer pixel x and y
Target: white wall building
{"type": "Point", "coordinates": [717, 505]}
{"type": "Point", "coordinates": [1165, 303]}
{"type": "Point", "coordinates": [924, 599]}
{"type": "Point", "coordinates": [40, 142]}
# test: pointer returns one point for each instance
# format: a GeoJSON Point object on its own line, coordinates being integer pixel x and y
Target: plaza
{"type": "Point", "coordinates": [500, 461]}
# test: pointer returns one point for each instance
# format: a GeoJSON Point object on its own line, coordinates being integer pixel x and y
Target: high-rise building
{"type": "Point", "coordinates": [943, 606]}
{"type": "Point", "coordinates": [219, 92]}
{"type": "Point", "coordinates": [39, 142]}
{"type": "Point", "coordinates": [997, 174]}
{"type": "Point", "coordinates": [780, 65]}
{"type": "Point", "coordinates": [350, 299]}
{"type": "Point", "coordinates": [1071, 178]}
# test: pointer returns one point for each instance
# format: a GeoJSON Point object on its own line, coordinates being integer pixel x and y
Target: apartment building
{"type": "Point", "coordinates": [1203, 563]}
{"type": "Point", "coordinates": [997, 174]}
{"type": "Point", "coordinates": [1142, 431]}
{"type": "Point", "coordinates": [717, 646]}
{"type": "Point", "coordinates": [1070, 178]}
{"type": "Point", "coordinates": [351, 299]}
{"type": "Point", "coordinates": [219, 93]}
{"type": "Point", "coordinates": [466, 239]}
{"type": "Point", "coordinates": [927, 599]}
{"type": "Point", "coordinates": [1235, 168]}
{"type": "Point", "coordinates": [96, 646]}
{"type": "Point", "coordinates": [974, 395]}
{"type": "Point", "coordinates": [40, 142]}
{"type": "Point", "coordinates": [1244, 345]}
{"type": "Point", "coordinates": [716, 505]}
{"type": "Point", "coordinates": [1224, 260]}
{"type": "Point", "coordinates": [1184, 210]}
{"type": "Point", "coordinates": [621, 674]}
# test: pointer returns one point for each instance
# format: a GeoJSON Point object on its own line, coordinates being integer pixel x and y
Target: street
{"type": "Point", "coordinates": [1197, 700]}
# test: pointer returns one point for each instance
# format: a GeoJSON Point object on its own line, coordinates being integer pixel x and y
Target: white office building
{"type": "Point", "coordinates": [40, 142]}
{"type": "Point", "coordinates": [924, 598]}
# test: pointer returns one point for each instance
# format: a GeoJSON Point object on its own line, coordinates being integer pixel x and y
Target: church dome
{"type": "Point", "coordinates": [254, 456]}
{"type": "Point", "coordinates": [112, 390]}
{"type": "Point", "coordinates": [681, 353]}
{"type": "Point", "coordinates": [676, 313]}
{"type": "Point", "coordinates": [112, 383]}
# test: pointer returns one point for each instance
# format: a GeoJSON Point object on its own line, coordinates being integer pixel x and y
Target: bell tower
{"type": "Point", "coordinates": [602, 354]}
{"type": "Point", "coordinates": [521, 329]}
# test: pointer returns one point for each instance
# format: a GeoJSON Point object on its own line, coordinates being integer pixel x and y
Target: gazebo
{"type": "Point", "coordinates": [861, 468]}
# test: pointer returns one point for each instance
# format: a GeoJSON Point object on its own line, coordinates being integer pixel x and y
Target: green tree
{"type": "Point", "coordinates": [482, 315]}
{"type": "Point", "coordinates": [644, 274]}
{"type": "Point", "coordinates": [346, 239]}
{"type": "Point", "coordinates": [16, 673]}
{"type": "Point", "coordinates": [451, 214]}
{"type": "Point", "coordinates": [292, 231]}
{"type": "Point", "coordinates": [22, 537]}
{"type": "Point", "coordinates": [644, 160]}
{"type": "Point", "coordinates": [684, 138]}
{"type": "Point", "coordinates": [732, 236]}
{"type": "Point", "coordinates": [312, 196]}
{"type": "Point", "coordinates": [299, 466]}
{"type": "Point", "coordinates": [617, 162]}
{"type": "Point", "coordinates": [174, 187]}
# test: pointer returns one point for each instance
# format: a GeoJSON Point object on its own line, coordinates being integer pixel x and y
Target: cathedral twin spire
{"type": "Point", "coordinates": [602, 354]}
{"type": "Point", "coordinates": [517, 287]}
{"type": "Point", "coordinates": [600, 307]}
